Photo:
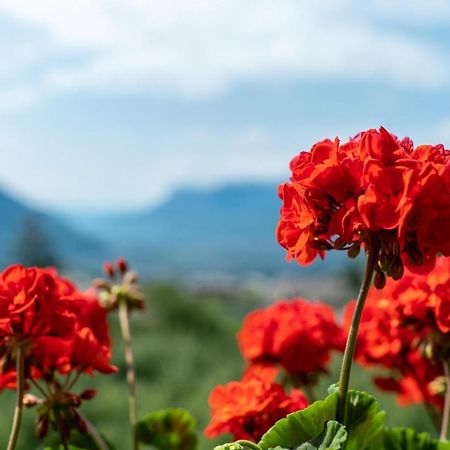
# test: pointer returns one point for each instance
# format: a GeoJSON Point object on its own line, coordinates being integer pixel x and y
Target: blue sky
{"type": "Point", "coordinates": [114, 104]}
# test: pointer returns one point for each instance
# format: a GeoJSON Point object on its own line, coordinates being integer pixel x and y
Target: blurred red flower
{"type": "Point", "coordinates": [298, 334]}
{"type": "Point", "coordinates": [248, 408]}
{"type": "Point", "coordinates": [405, 328]}
{"type": "Point", "coordinates": [59, 328]}
{"type": "Point", "coordinates": [374, 191]}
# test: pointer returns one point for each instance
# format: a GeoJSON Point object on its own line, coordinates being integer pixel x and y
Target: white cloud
{"type": "Point", "coordinates": [196, 48]}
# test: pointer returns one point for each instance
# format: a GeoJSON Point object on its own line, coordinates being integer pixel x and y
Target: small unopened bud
{"type": "Point", "coordinates": [353, 252]}
{"type": "Point", "coordinates": [108, 268]}
{"type": "Point", "coordinates": [379, 280]}
{"type": "Point", "coordinates": [75, 400]}
{"type": "Point", "coordinates": [88, 394]}
{"type": "Point", "coordinates": [131, 278]}
{"type": "Point", "coordinates": [397, 269]}
{"type": "Point", "coordinates": [339, 243]}
{"type": "Point", "coordinates": [41, 426]}
{"type": "Point", "coordinates": [320, 244]}
{"type": "Point", "coordinates": [415, 256]}
{"type": "Point", "coordinates": [122, 265]}
{"type": "Point", "coordinates": [30, 400]}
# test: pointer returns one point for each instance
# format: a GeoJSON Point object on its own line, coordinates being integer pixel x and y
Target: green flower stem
{"type": "Point", "coordinates": [344, 378]}
{"type": "Point", "coordinates": [96, 436]}
{"type": "Point", "coordinates": [446, 411]}
{"type": "Point", "coordinates": [20, 376]}
{"type": "Point", "coordinates": [131, 371]}
{"type": "Point", "coordinates": [62, 433]}
{"type": "Point", "coordinates": [248, 444]}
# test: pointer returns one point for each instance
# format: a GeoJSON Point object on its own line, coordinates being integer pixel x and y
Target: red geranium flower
{"type": "Point", "coordinates": [60, 328]}
{"type": "Point", "coordinates": [298, 334]}
{"type": "Point", "coordinates": [405, 328]}
{"type": "Point", "coordinates": [374, 191]}
{"type": "Point", "coordinates": [248, 408]}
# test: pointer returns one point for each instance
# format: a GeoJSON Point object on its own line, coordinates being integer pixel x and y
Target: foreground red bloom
{"type": "Point", "coordinates": [60, 328]}
{"type": "Point", "coordinates": [248, 408]}
{"type": "Point", "coordinates": [374, 191]}
{"type": "Point", "coordinates": [298, 334]}
{"type": "Point", "coordinates": [405, 328]}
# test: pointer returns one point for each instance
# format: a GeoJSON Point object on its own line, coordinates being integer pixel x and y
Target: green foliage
{"type": "Point", "coordinates": [169, 429]}
{"type": "Point", "coordinates": [77, 441]}
{"type": "Point", "coordinates": [409, 439]}
{"type": "Point", "coordinates": [60, 447]}
{"type": "Point", "coordinates": [333, 437]}
{"type": "Point", "coordinates": [301, 426]}
{"type": "Point", "coordinates": [364, 425]}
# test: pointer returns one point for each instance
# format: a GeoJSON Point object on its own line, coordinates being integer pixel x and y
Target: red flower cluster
{"type": "Point", "coordinates": [298, 335]}
{"type": "Point", "coordinates": [405, 328]}
{"type": "Point", "coordinates": [58, 327]}
{"type": "Point", "coordinates": [248, 408]}
{"type": "Point", "coordinates": [375, 191]}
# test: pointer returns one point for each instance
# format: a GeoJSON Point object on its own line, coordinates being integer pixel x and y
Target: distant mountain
{"type": "Point", "coordinates": [70, 246]}
{"type": "Point", "coordinates": [230, 229]}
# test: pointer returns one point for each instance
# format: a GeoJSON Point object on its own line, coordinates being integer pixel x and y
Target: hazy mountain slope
{"type": "Point", "coordinates": [228, 229]}
{"type": "Point", "coordinates": [71, 247]}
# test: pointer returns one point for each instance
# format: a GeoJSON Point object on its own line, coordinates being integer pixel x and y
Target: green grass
{"type": "Point", "coordinates": [184, 345]}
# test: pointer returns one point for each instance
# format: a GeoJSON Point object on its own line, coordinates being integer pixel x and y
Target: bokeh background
{"type": "Point", "coordinates": [159, 130]}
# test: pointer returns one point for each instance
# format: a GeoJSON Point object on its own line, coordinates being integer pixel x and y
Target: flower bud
{"type": "Point", "coordinates": [320, 244]}
{"type": "Point", "coordinates": [414, 255]}
{"type": "Point", "coordinates": [379, 280]}
{"type": "Point", "coordinates": [30, 400]}
{"type": "Point", "coordinates": [339, 243]}
{"type": "Point", "coordinates": [353, 252]}
{"type": "Point", "coordinates": [131, 278]}
{"type": "Point", "coordinates": [122, 265]}
{"type": "Point", "coordinates": [397, 269]}
{"type": "Point", "coordinates": [41, 426]}
{"type": "Point", "coordinates": [88, 394]}
{"type": "Point", "coordinates": [108, 268]}
{"type": "Point", "coordinates": [75, 400]}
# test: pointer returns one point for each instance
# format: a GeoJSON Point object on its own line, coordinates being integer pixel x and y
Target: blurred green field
{"type": "Point", "coordinates": [184, 345]}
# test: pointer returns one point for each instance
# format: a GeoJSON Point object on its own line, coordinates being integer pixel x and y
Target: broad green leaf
{"type": "Point", "coordinates": [168, 429]}
{"type": "Point", "coordinates": [301, 426]}
{"type": "Point", "coordinates": [365, 422]}
{"type": "Point", "coordinates": [364, 425]}
{"type": "Point", "coordinates": [409, 439]}
{"type": "Point", "coordinates": [332, 437]}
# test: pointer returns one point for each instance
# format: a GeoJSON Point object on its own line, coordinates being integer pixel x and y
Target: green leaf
{"type": "Point", "coordinates": [168, 429]}
{"type": "Point", "coordinates": [301, 426]}
{"type": "Point", "coordinates": [365, 422]}
{"type": "Point", "coordinates": [409, 439]}
{"type": "Point", "coordinates": [332, 437]}
{"type": "Point", "coordinates": [364, 425]}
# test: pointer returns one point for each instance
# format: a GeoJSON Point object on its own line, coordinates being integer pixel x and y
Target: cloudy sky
{"type": "Point", "coordinates": [114, 104]}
